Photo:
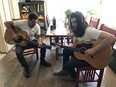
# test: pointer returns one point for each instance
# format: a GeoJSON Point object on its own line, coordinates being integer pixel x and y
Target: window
{"type": "Point", "coordinates": [58, 7]}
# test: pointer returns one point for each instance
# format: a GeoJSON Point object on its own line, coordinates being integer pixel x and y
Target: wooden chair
{"type": "Point", "coordinates": [105, 28]}
{"type": "Point", "coordinates": [94, 22]}
{"type": "Point", "coordinates": [29, 51]}
{"type": "Point", "coordinates": [89, 74]}
{"type": "Point", "coordinates": [108, 29]}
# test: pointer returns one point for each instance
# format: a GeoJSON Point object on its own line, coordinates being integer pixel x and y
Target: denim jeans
{"type": "Point", "coordinates": [70, 64]}
{"type": "Point", "coordinates": [20, 57]}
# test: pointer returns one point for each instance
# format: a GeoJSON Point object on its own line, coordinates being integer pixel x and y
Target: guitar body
{"type": "Point", "coordinates": [9, 39]}
{"type": "Point", "coordinates": [99, 60]}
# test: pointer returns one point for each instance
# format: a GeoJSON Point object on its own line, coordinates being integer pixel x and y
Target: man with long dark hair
{"type": "Point", "coordinates": [82, 32]}
{"type": "Point", "coordinates": [33, 29]}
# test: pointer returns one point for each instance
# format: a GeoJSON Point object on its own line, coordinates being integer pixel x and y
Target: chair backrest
{"type": "Point", "coordinates": [94, 22]}
{"type": "Point", "coordinates": [89, 74]}
{"type": "Point", "coordinates": [105, 28]}
{"type": "Point", "coordinates": [108, 29]}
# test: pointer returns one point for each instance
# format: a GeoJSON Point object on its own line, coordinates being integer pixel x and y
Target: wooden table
{"type": "Point", "coordinates": [60, 29]}
{"type": "Point", "coordinates": [58, 34]}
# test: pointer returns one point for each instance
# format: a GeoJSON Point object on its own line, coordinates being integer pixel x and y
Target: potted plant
{"type": "Point", "coordinates": [67, 14]}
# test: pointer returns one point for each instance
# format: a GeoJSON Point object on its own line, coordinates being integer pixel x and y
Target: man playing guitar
{"type": "Point", "coordinates": [82, 32]}
{"type": "Point", "coordinates": [32, 28]}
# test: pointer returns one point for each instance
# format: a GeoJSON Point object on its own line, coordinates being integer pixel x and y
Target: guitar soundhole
{"type": "Point", "coordinates": [83, 47]}
{"type": "Point", "coordinates": [92, 57]}
{"type": "Point", "coordinates": [82, 50]}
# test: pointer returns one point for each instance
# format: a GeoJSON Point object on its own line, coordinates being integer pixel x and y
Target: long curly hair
{"type": "Point", "coordinates": [81, 24]}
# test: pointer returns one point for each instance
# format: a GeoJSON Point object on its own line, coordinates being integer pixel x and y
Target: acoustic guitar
{"type": "Point", "coordinates": [99, 60]}
{"type": "Point", "coordinates": [10, 40]}
{"type": "Point", "coordinates": [23, 39]}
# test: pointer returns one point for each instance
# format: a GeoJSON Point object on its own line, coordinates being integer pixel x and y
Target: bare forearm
{"type": "Point", "coordinates": [105, 42]}
{"type": "Point", "coordinates": [9, 27]}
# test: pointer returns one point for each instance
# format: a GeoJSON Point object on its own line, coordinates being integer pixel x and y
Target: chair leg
{"type": "Point", "coordinates": [100, 78]}
{"type": "Point", "coordinates": [77, 79]}
{"type": "Point", "coordinates": [37, 56]}
{"type": "Point", "coordinates": [50, 40]}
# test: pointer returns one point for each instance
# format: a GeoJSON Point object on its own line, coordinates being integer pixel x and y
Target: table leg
{"type": "Point", "coordinates": [57, 53]}
{"type": "Point", "coordinates": [57, 41]}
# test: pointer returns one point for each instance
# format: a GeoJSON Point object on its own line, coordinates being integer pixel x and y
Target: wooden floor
{"type": "Point", "coordinates": [11, 73]}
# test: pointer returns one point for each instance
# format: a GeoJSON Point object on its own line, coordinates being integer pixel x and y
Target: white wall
{"type": "Point", "coordinates": [109, 13]}
{"type": "Point", "coordinates": [3, 45]}
{"type": "Point", "coordinates": [58, 7]}
{"type": "Point", "coordinates": [14, 8]}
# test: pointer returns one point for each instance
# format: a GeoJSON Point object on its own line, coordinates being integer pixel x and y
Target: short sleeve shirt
{"type": "Point", "coordinates": [91, 34]}
{"type": "Point", "coordinates": [23, 26]}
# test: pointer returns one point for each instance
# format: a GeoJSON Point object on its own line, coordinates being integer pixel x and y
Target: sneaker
{"type": "Point", "coordinates": [27, 72]}
{"type": "Point", "coordinates": [68, 79]}
{"type": "Point", "coordinates": [61, 73]}
{"type": "Point", "coordinates": [45, 64]}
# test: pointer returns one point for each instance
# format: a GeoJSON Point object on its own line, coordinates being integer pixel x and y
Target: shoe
{"type": "Point", "coordinates": [68, 79]}
{"type": "Point", "coordinates": [27, 72]}
{"type": "Point", "coordinates": [61, 73]}
{"type": "Point", "coordinates": [45, 64]}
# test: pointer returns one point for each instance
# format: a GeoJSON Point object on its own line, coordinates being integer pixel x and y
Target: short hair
{"type": "Point", "coordinates": [32, 15]}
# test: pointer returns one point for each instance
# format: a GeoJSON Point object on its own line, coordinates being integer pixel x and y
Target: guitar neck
{"type": "Point", "coordinates": [69, 48]}
{"type": "Point", "coordinates": [35, 43]}
{"type": "Point", "coordinates": [29, 41]}
{"type": "Point", "coordinates": [66, 47]}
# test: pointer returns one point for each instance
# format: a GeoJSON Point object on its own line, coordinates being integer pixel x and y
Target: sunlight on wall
{"type": "Point", "coordinates": [7, 10]}
{"type": "Point", "coordinates": [109, 13]}
{"type": "Point", "coordinates": [3, 47]}
{"type": "Point", "coordinates": [54, 9]}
